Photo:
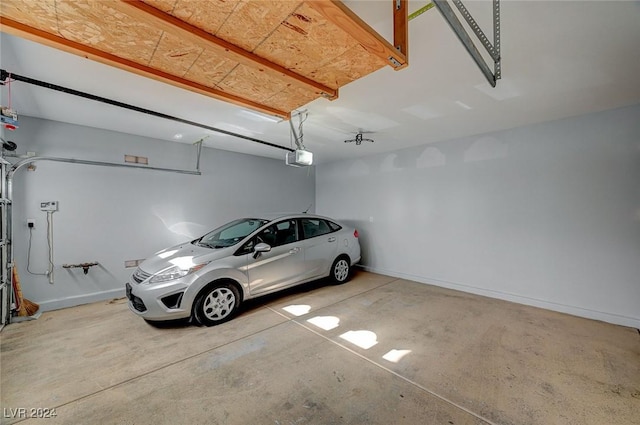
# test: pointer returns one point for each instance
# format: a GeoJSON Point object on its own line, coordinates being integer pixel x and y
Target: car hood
{"type": "Point", "coordinates": [185, 255]}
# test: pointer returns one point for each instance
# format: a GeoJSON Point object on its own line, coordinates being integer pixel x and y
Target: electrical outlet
{"type": "Point", "coordinates": [31, 223]}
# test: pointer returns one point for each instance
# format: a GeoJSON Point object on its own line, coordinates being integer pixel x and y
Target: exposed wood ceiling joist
{"type": "Point", "coordinates": [401, 27]}
{"type": "Point", "coordinates": [172, 25]}
{"type": "Point", "coordinates": [272, 56]}
{"type": "Point", "coordinates": [16, 28]}
{"type": "Point", "coordinates": [340, 15]}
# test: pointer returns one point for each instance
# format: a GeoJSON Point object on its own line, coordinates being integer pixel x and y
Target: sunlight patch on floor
{"type": "Point", "coordinates": [363, 339]}
{"type": "Point", "coordinates": [395, 356]}
{"type": "Point", "coordinates": [297, 309]}
{"type": "Point", "coordinates": [325, 322]}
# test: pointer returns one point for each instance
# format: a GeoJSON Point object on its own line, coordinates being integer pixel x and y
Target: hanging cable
{"type": "Point", "coordinates": [50, 265]}
{"type": "Point", "coordinates": [291, 139]}
{"type": "Point", "coordinates": [298, 136]}
{"type": "Point", "coordinates": [29, 256]}
{"type": "Point", "coordinates": [302, 118]}
{"type": "Point", "coordinates": [50, 244]}
{"type": "Point", "coordinates": [8, 83]}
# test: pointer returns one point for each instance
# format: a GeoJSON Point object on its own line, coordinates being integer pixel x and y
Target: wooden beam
{"type": "Point", "coordinates": [143, 12]}
{"type": "Point", "coordinates": [12, 27]}
{"type": "Point", "coordinates": [401, 27]}
{"type": "Point", "coordinates": [340, 15]}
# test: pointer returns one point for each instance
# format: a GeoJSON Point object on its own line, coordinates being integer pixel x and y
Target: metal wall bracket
{"type": "Point", "coordinates": [493, 49]}
{"type": "Point", "coordinates": [83, 266]}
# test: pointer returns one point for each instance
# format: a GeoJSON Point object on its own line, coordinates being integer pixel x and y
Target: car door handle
{"type": "Point", "coordinates": [332, 239]}
{"type": "Point", "coordinates": [294, 250]}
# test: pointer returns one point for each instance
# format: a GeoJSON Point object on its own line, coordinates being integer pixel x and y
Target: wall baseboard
{"type": "Point", "coordinates": [548, 305]}
{"type": "Point", "coordinates": [76, 300]}
{"type": "Point", "coordinates": [562, 308]}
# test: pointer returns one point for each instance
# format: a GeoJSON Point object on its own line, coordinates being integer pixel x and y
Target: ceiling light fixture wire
{"type": "Point", "coordinates": [298, 136]}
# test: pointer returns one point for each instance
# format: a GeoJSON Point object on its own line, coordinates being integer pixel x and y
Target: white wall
{"type": "Point", "coordinates": [546, 215]}
{"type": "Point", "coordinates": [111, 215]}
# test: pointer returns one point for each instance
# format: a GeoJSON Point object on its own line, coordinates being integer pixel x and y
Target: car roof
{"type": "Point", "coordinates": [277, 216]}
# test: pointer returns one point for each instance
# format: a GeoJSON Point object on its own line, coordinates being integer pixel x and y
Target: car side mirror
{"type": "Point", "coordinates": [260, 248]}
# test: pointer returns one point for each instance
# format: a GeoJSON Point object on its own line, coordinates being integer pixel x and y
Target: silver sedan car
{"type": "Point", "coordinates": [208, 278]}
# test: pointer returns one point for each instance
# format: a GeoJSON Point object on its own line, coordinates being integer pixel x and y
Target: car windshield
{"type": "Point", "coordinates": [231, 233]}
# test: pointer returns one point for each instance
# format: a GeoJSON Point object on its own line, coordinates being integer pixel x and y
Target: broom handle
{"type": "Point", "coordinates": [15, 296]}
{"type": "Point", "coordinates": [16, 288]}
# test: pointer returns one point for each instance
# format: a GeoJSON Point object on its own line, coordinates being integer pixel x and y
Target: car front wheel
{"type": "Point", "coordinates": [341, 270]}
{"type": "Point", "coordinates": [217, 304]}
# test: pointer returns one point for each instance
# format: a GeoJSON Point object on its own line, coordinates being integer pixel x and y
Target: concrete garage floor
{"type": "Point", "coordinates": [377, 350]}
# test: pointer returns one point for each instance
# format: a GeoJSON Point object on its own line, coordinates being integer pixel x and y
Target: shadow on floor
{"type": "Point", "coordinates": [254, 303]}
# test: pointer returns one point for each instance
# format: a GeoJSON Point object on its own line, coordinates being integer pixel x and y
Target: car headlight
{"type": "Point", "coordinates": [174, 272]}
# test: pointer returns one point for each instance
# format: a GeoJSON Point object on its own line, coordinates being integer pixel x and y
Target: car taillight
{"type": "Point", "coordinates": [355, 233]}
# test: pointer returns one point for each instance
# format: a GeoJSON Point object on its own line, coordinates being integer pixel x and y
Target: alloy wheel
{"type": "Point", "coordinates": [341, 270]}
{"type": "Point", "coordinates": [218, 304]}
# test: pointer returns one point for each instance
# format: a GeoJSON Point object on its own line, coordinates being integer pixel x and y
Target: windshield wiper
{"type": "Point", "coordinates": [210, 245]}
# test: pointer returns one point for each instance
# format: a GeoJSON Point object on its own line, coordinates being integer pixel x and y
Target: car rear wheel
{"type": "Point", "coordinates": [341, 270]}
{"type": "Point", "coordinates": [217, 304]}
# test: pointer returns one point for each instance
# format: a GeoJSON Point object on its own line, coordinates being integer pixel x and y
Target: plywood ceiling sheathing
{"type": "Point", "coordinates": [273, 56]}
{"type": "Point", "coordinates": [43, 37]}
{"type": "Point", "coordinates": [142, 12]}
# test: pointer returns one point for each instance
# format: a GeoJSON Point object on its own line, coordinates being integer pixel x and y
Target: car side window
{"type": "Point", "coordinates": [281, 233]}
{"type": "Point", "coordinates": [268, 236]}
{"type": "Point", "coordinates": [247, 248]}
{"type": "Point", "coordinates": [278, 234]}
{"type": "Point", "coordinates": [286, 232]}
{"type": "Point", "coordinates": [334, 227]}
{"type": "Point", "coordinates": [313, 227]}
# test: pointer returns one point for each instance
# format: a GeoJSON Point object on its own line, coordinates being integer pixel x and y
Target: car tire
{"type": "Point", "coordinates": [341, 270]}
{"type": "Point", "coordinates": [216, 304]}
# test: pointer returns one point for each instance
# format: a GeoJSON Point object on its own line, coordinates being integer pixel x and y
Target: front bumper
{"type": "Point", "coordinates": [159, 302]}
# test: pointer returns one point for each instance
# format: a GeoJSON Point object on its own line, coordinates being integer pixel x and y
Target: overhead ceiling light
{"type": "Point", "coordinates": [421, 111]}
{"type": "Point", "coordinates": [505, 90]}
{"type": "Point", "coordinates": [235, 129]}
{"type": "Point", "coordinates": [258, 117]}
{"type": "Point", "coordinates": [178, 136]}
{"type": "Point", "coordinates": [463, 105]}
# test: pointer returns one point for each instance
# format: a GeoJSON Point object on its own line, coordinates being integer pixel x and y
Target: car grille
{"type": "Point", "coordinates": [135, 301]}
{"type": "Point", "coordinates": [140, 275]}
